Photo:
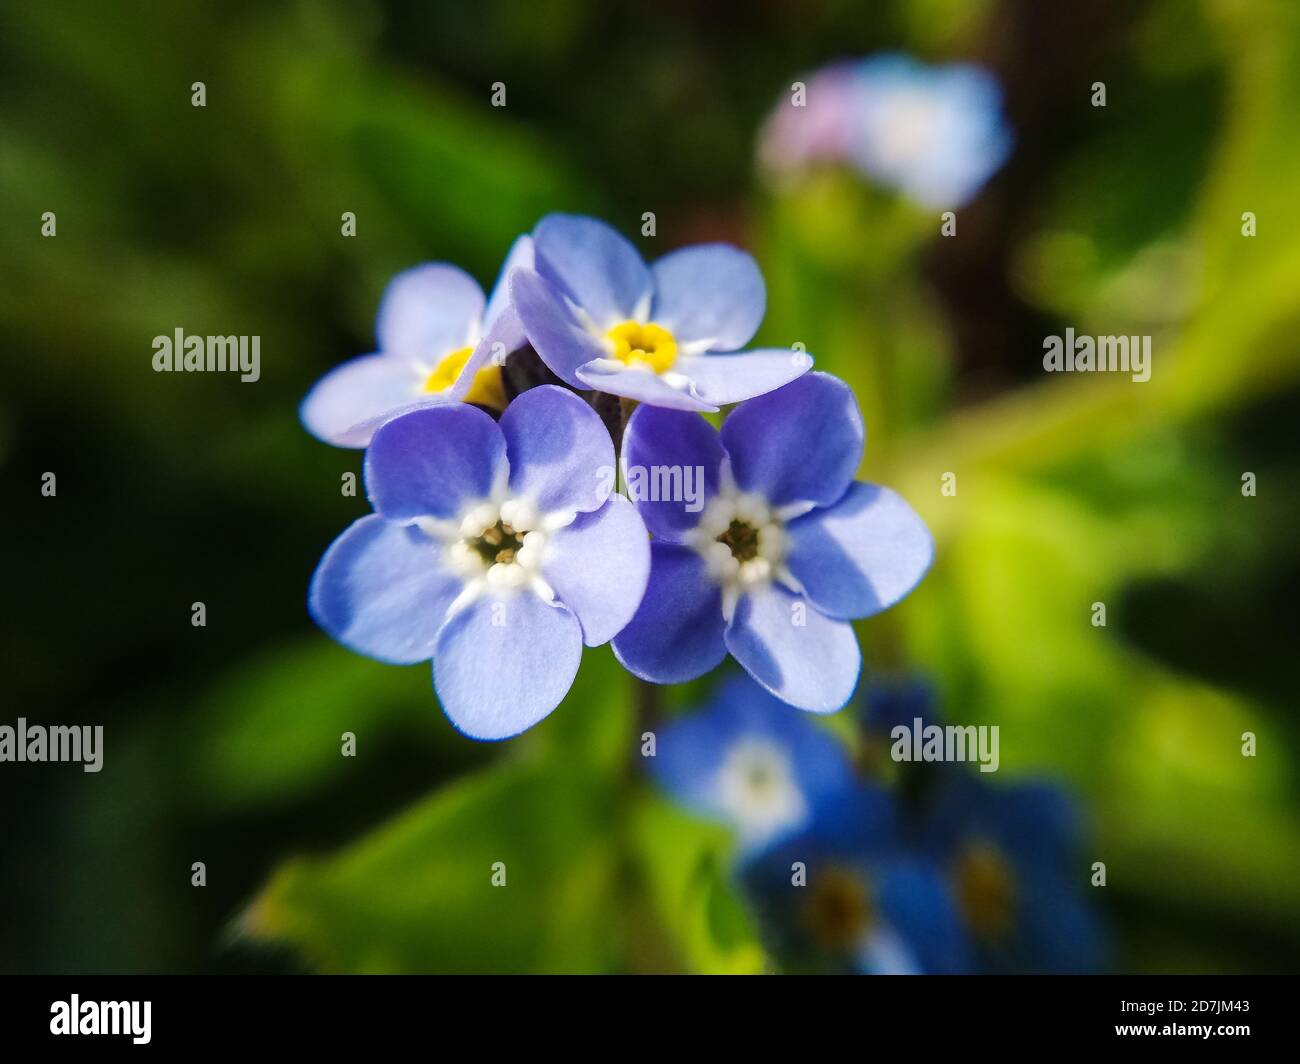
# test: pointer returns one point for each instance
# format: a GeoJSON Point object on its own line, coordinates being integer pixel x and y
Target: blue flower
{"type": "Point", "coordinates": [496, 549]}
{"type": "Point", "coordinates": [1012, 859]}
{"type": "Point", "coordinates": [936, 133]}
{"type": "Point", "coordinates": [842, 896]}
{"type": "Point", "coordinates": [747, 760]}
{"type": "Point", "coordinates": [666, 334]}
{"type": "Point", "coordinates": [784, 550]}
{"type": "Point", "coordinates": [439, 341]}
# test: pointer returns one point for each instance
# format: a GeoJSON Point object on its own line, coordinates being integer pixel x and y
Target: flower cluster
{"type": "Point", "coordinates": [851, 867]}
{"type": "Point", "coordinates": [935, 133]}
{"type": "Point", "coordinates": [498, 545]}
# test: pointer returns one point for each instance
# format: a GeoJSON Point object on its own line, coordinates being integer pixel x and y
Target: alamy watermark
{"type": "Point", "coordinates": [102, 1017]}
{"type": "Point", "coordinates": [657, 483]}
{"type": "Point", "coordinates": [954, 742]}
{"type": "Point", "coordinates": [1098, 354]}
{"type": "Point", "coordinates": [35, 742]}
{"type": "Point", "coordinates": [208, 354]}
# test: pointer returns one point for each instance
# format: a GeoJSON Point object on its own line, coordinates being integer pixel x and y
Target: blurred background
{"type": "Point", "coordinates": [222, 743]}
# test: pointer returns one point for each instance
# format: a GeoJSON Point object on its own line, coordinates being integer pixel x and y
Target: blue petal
{"type": "Point", "coordinates": [678, 445]}
{"type": "Point", "coordinates": [640, 384]}
{"type": "Point", "coordinates": [676, 634]}
{"type": "Point", "coordinates": [382, 591]}
{"type": "Point", "coordinates": [505, 335]}
{"type": "Point", "coordinates": [688, 754]}
{"type": "Point", "coordinates": [801, 443]}
{"type": "Point", "coordinates": [1035, 823]}
{"type": "Point", "coordinates": [711, 292]}
{"type": "Point", "coordinates": [561, 341]}
{"type": "Point", "coordinates": [819, 761]}
{"type": "Point", "coordinates": [915, 901]}
{"type": "Point", "coordinates": [692, 748]}
{"type": "Point", "coordinates": [860, 555]}
{"type": "Point", "coordinates": [561, 456]}
{"type": "Point", "coordinates": [1055, 932]}
{"type": "Point", "coordinates": [433, 462]}
{"type": "Point", "coordinates": [594, 265]}
{"type": "Point", "coordinates": [599, 566]}
{"type": "Point", "coordinates": [722, 378]}
{"type": "Point", "coordinates": [429, 311]}
{"type": "Point", "coordinates": [348, 403]}
{"type": "Point", "coordinates": [813, 665]}
{"type": "Point", "coordinates": [519, 257]}
{"type": "Point", "coordinates": [502, 664]}
{"type": "Point", "coordinates": [860, 821]}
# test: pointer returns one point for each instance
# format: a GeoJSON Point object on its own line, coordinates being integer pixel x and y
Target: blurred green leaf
{"type": "Point", "coordinates": [417, 895]}
{"type": "Point", "coordinates": [273, 728]}
{"type": "Point", "coordinates": [684, 862]}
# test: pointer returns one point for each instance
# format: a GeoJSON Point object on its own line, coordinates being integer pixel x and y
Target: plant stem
{"type": "Point", "coordinates": [647, 706]}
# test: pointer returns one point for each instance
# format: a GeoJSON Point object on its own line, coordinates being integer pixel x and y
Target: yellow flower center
{"type": "Point", "coordinates": [985, 891]}
{"type": "Point", "coordinates": [643, 344]}
{"type": "Point", "coordinates": [838, 911]}
{"type": "Point", "coordinates": [486, 388]}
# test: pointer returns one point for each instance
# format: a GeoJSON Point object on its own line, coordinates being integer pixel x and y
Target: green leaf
{"type": "Point", "coordinates": [272, 730]}
{"type": "Point", "coordinates": [685, 862]}
{"type": "Point", "coordinates": [418, 895]}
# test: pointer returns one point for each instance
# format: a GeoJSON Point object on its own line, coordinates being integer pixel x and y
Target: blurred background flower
{"type": "Point", "coordinates": [222, 743]}
{"type": "Point", "coordinates": [936, 133]}
{"type": "Point", "coordinates": [926, 869]}
{"type": "Point", "coordinates": [750, 761]}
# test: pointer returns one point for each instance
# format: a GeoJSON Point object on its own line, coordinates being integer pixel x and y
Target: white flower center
{"type": "Point", "coordinates": [755, 786]}
{"type": "Point", "coordinates": [743, 542]}
{"type": "Point", "coordinates": [497, 545]}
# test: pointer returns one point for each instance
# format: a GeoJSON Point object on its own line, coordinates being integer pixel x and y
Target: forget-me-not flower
{"type": "Point", "coordinates": [1012, 859]}
{"type": "Point", "coordinates": [786, 549]}
{"type": "Point", "coordinates": [667, 334]}
{"type": "Point", "coordinates": [746, 760]}
{"type": "Point", "coordinates": [841, 896]}
{"type": "Point", "coordinates": [495, 549]}
{"type": "Point", "coordinates": [440, 340]}
{"type": "Point", "coordinates": [937, 133]}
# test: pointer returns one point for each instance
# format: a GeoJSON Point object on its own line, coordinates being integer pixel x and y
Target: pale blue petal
{"type": "Point", "coordinates": [800, 655]}
{"type": "Point", "coordinates": [505, 335]}
{"type": "Point", "coordinates": [721, 379]}
{"type": "Point", "coordinates": [711, 292]}
{"type": "Point", "coordinates": [640, 384]}
{"type": "Point", "coordinates": [801, 443]}
{"type": "Point", "coordinates": [676, 634]}
{"type": "Point", "coordinates": [427, 312]}
{"type": "Point", "coordinates": [382, 590]}
{"type": "Point", "coordinates": [860, 555]}
{"type": "Point", "coordinates": [502, 664]}
{"type": "Point", "coordinates": [560, 453]}
{"type": "Point", "coordinates": [676, 450]}
{"type": "Point", "coordinates": [347, 404]}
{"type": "Point", "coordinates": [552, 328]}
{"type": "Point", "coordinates": [434, 462]}
{"type": "Point", "coordinates": [594, 265]}
{"type": "Point", "coordinates": [598, 567]}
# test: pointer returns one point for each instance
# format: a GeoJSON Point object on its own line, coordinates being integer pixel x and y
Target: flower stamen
{"type": "Point", "coordinates": [500, 543]}
{"type": "Point", "coordinates": [985, 891]}
{"type": "Point", "coordinates": [642, 345]}
{"type": "Point", "coordinates": [485, 390]}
